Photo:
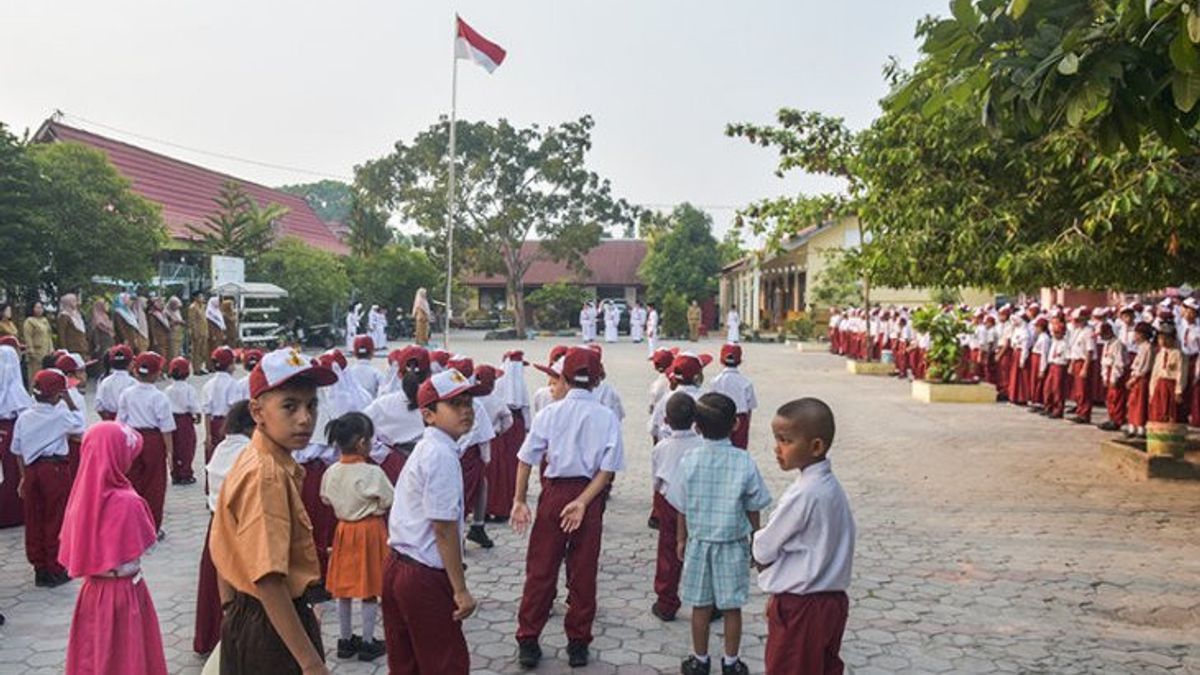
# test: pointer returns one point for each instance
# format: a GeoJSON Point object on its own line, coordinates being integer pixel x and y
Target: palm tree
{"type": "Point", "coordinates": [239, 227]}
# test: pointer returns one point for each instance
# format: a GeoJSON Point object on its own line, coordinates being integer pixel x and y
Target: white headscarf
{"type": "Point", "coordinates": [68, 306]}
{"type": "Point", "coordinates": [511, 388]}
{"type": "Point", "coordinates": [346, 395]}
{"type": "Point", "coordinates": [421, 302]}
{"type": "Point", "coordinates": [13, 397]}
{"type": "Point", "coordinates": [213, 312]}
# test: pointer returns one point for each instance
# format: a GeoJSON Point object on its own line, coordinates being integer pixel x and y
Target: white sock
{"type": "Point", "coordinates": [345, 605]}
{"type": "Point", "coordinates": [701, 658]}
{"type": "Point", "coordinates": [728, 660]}
{"type": "Point", "coordinates": [370, 612]}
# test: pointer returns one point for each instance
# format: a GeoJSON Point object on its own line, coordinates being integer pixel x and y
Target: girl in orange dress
{"type": "Point", "coordinates": [361, 495]}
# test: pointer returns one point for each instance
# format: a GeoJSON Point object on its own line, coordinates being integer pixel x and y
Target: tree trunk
{"type": "Point", "coordinates": [516, 292]}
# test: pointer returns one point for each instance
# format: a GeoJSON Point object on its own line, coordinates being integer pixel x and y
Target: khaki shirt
{"type": "Point", "coordinates": [260, 526]}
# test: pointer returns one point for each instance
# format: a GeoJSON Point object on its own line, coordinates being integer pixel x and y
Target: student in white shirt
{"type": "Point", "coordinates": [544, 396]}
{"type": "Point", "coordinates": [13, 399]}
{"type": "Point", "coordinates": [425, 595]}
{"type": "Point", "coordinates": [40, 443]}
{"type": "Point", "coordinates": [651, 327]}
{"type": "Point", "coordinates": [217, 396]}
{"type": "Point", "coordinates": [733, 325]}
{"type": "Point", "coordinates": [474, 452]}
{"type": "Point", "coordinates": [148, 410]}
{"type": "Point", "coordinates": [664, 465]}
{"type": "Point", "coordinates": [686, 374]}
{"type": "Point", "coordinates": [738, 387]}
{"type": "Point", "coordinates": [605, 392]}
{"type": "Point", "coordinates": [185, 408]}
{"type": "Point", "coordinates": [499, 418]}
{"type": "Point", "coordinates": [75, 368]}
{"type": "Point", "coordinates": [362, 370]}
{"type": "Point", "coordinates": [806, 551]}
{"type": "Point", "coordinates": [108, 392]}
{"type": "Point", "coordinates": [240, 390]}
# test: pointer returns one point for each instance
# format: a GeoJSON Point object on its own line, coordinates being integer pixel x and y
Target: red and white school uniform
{"type": "Point", "coordinates": [367, 376]}
{"type": "Point", "coordinates": [185, 406]}
{"type": "Point", "coordinates": [660, 389]}
{"type": "Point", "coordinates": [1082, 349]}
{"type": "Point", "coordinates": [1166, 383]}
{"type": "Point", "coordinates": [1189, 345]}
{"type": "Point", "coordinates": [108, 393]}
{"type": "Point", "coordinates": [1112, 373]}
{"type": "Point", "coordinates": [217, 396]}
{"type": "Point", "coordinates": [13, 400]}
{"type": "Point", "coordinates": [664, 462]}
{"type": "Point", "coordinates": [808, 546]}
{"type": "Point", "coordinates": [207, 632]}
{"type": "Point", "coordinates": [148, 410]}
{"type": "Point", "coordinates": [502, 470]}
{"type": "Point", "coordinates": [578, 437]}
{"type": "Point", "coordinates": [474, 452]}
{"type": "Point", "coordinates": [397, 430]}
{"type": "Point", "coordinates": [1020, 341]}
{"type": "Point", "coordinates": [658, 417]}
{"type": "Point", "coordinates": [1139, 386]}
{"type": "Point", "coordinates": [40, 441]}
{"type": "Point", "coordinates": [738, 387]}
{"type": "Point", "coordinates": [1039, 363]}
{"type": "Point", "coordinates": [418, 600]}
{"type": "Point", "coordinates": [1057, 383]}
{"type": "Point", "coordinates": [607, 395]}
{"type": "Point", "coordinates": [74, 443]}
{"type": "Point", "coordinates": [501, 420]}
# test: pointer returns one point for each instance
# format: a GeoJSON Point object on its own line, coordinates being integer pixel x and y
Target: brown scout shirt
{"type": "Point", "coordinates": [260, 526]}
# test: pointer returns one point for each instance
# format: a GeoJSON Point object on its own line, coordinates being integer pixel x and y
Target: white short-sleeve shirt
{"type": "Point", "coordinates": [430, 488]}
{"type": "Point", "coordinates": [143, 406]}
{"type": "Point", "coordinates": [42, 429]}
{"type": "Point", "coordinates": [108, 393]}
{"type": "Point", "coordinates": [578, 436]}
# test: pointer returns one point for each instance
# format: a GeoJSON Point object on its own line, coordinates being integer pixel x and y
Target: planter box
{"type": "Point", "coordinates": [1130, 458]}
{"type": "Point", "coordinates": [940, 392]}
{"type": "Point", "coordinates": [869, 367]}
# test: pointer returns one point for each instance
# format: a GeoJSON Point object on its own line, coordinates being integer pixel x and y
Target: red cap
{"type": "Point", "coordinates": [581, 366]}
{"type": "Point", "coordinates": [440, 357]}
{"type": "Point", "coordinates": [413, 357]}
{"type": "Point", "coordinates": [251, 357]}
{"type": "Point", "coordinates": [69, 363]}
{"type": "Point", "coordinates": [661, 359]}
{"type": "Point", "coordinates": [731, 354]}
{"type": "Point", "coordinates": [179, 367]}
{"type": "Point", "coordinates": [463, 364]}
{"type": "Point", "coordinates": [687, 366]}
{"type": "Point", "coordinates": [222, 357]}
{"type": "Point", "coordinates": [285, 365]}
{"type": "Point", "coordinates": [11, 341]}
{"type": "Point", "coordinates": [515, 355]}
{"type": "Point", "coordinates": [485, 379]}
{"type": "Point", "coordinates": [557, 352]}
{"type": "Point", "coordinates": [327, 359]}
{"type": "Point", "coordinates": [364, 346]}
{"type": "Point", "coordinates": [442, 387]}
{"type": "Point", "coordinates": [120, 354]}
{"type": "Point", "coordinates": [49, 383]}
{"type": "Point", "coordinates": [148, 363]}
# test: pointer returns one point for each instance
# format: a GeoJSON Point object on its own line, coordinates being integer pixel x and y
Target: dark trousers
{"type": "Point", "coordinates": [418, 621]}
{"type": "Point", "coordinates": [741, 432]}
{"type": "Point", "coordinates": [148, 473]}
{"type": "Point", "coordinates": [183, 443]}
{"type": "Point", "coordinates": [11, 509]}
{"type": "Point", "coordinates": [804, 633]}
{"type": "Point", "coordinates": [250, 645]}
{"type": "Point", "coordinates": [548, 547]}
{"type": "Point", "coordinates": [668, 568]}
{"type": "Point", "coordinates": [47, 486]}
{"type": "Point", "coordinates": [208, 603]}
{"type": "Point", "coordinates": [324, 521]}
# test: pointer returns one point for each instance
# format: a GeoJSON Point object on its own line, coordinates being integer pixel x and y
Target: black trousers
{"type": "Point", "coordinates": [249, 643]}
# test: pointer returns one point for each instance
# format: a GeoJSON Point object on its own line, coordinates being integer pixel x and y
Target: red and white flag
{"type": "Point", "coordinates": [472, 46]}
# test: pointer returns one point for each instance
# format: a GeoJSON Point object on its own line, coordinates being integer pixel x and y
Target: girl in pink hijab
{"type": "Point", "coordinates": [106, 529]}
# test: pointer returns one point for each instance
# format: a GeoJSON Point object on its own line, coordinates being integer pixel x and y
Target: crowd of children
{"type": "Point", "coordinates": [1137, 361]}
{"type": "Point", "coordinates": [329, 478]}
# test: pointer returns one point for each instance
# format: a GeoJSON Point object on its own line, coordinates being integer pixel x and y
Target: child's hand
{"type": "Point", "coordinates": [680, 549]}
{"type": "Point", "coordinates": [464, 605]}
{"type": "Point", "coordinates": [520, 517]}
{"type": "Point", "coordinates": [21, 489]}
{"type": "Point", "coordinates": [571, 516]}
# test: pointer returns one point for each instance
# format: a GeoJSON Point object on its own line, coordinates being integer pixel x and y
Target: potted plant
{"type": "Point", "coordinates": [941, 383]}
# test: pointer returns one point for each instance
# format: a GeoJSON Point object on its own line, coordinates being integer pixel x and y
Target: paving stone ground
{"type": "Point", "coordinates": [989, 540]}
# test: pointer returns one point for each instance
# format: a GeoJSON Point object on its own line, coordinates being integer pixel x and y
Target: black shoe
{"type": "Point", "coordinates": [369, 651]}
{"type": "Point", "coordinates": [528, 654]}
{"type": "Point", "coordinates": [56, 579]}
{"type": "Point", "coordinates": [652, 523]}
{"type": "Point", "coordinates": [738, 668]}
{"type": "Point", "coordinates": [39, 578]}
{"type": "Point", "coordinates": [190, 480]}
{"type": "Point", "coordinates": [1107, 426]}
{"type": "Point", "coordinates": [1080, 420]}
{"type": "Point", "coordinates": [477, 535]}
{"type": "Point", "coordinates": [694, 666]}
{"type": "Point", "coordinates": [348, 649]}
{"type": "Point", "coordinates": [318, 594]}
{"type": "Point", "coordinates": [577, 654]}
{"type": "Point", "coordinates": [162, 534]}
{"type": "Point", "coordinates": [661, 614]}
{"type": "Point", "coordinates": [1, 619]}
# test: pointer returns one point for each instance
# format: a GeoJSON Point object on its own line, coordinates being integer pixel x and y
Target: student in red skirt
{"type": "Point", "coordinates": [1019, 340]}
{"type": "Point", "coordinates": [106, 530]}
{"type": "Point", "coordinates": [75, 368]}
{"type": "Point", "coordinates": [731, 382]}
{"type": "Point", "coordinates": [664, 459]}
{"type": "Point", "coordinates": [13, 400]}
{"type": "Point", "coordinates": [1057, 382]}
{"type": "Point", "coordinates": [185, 408]}
{"type": "Point", "coordinates": [1112, 374]}
{"type": "Point", "coordinates": [1166, 379]}
{"type": "Point", "coordinates": [1138, 384]}
{"type": "Point", "coordinates": [108, 392]}
{"type": "Point", "coordinates": [148, 410]}
{"type": "Point", "coordinates": [40, 444]}
{"type": "Point", "coordinates": [361, 496]}
{"type": "Point", "coordinates": [1082, 354]}
{"type": "Point", "coordinates": [502, 470]}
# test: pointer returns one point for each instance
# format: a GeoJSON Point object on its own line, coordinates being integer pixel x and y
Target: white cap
{"type": "Point", "coordinates": [442, 387]}
{"type": "Point", "coordinates": [1191, 302]}
{"type": "Point", "coordinates": [281, 365]}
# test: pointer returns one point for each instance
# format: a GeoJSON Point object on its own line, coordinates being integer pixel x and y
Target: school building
{"type": "Point", "coordinates": [610, 270]}
{"type": "Point", "coordinates": [186, 193]}
{"type": "Point", "coordinates": [770, 288]}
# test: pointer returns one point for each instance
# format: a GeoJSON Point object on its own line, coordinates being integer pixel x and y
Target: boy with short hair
{"type": "Point", "coordinates": [261, 539]}
{"type": "Point", "coordinates": [108, 393]}
{"type": "Point", "coordinates": [806, 551]}
{"type": "Point", "coordinates": [664, 461]}
{"type": "Point", "coordinates": [40, 443]}
{"type": "Point", "coordinates": [185, 408]}
{"type": "Point", "coordinates": [148, 410]}
{"type": "Point", "coordinates": [425, 595]}
{"type": "Point", "coordinates": [738, 387]}
{"type": "Point", "coordinates": [718, 493]}
{"type": "Point", "coordinates": [580, 440]}
{"type": "Point", "coordinates": [216, 398]}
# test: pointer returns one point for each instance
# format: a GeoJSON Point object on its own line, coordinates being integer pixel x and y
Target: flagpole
{"type": "Point", "coordinates": [450, 192]}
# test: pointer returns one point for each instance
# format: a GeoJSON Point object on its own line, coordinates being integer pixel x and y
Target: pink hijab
{"type": "Point", "coordinates": [106, 523]}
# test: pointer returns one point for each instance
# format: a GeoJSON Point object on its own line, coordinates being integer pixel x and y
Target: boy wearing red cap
{"type": "Point", "coordinates": [185, 408]}
{"type": "Point", "coordinates": [739, 388]}
{"type": "Point", "coordinates": [664, 465]}
{"type": "Point", "coordinates": [148, 410]}
{"type": "Point", "coordinates": [661, 359]}
{"type": "Point", "coordinates": [75, 368]}
{"type": "Point", "coordinates": [240, 391]}
{"type": "Point", "coordinates": [1057, 382]}
{"type": "Point", "coordinates": [685, 374]}
{"type": "Point", "coordinates": [216, 397]}
{"type": "Point", "coordinates": [261, 539]}
{"type": "Point", "coordinates": [364, 373]}
{"type": "Point", "coordinates": [425, 595]}
{"type": "Point", "coordinates": [544, 396]}
{"type": "Point", "coordinates": [1112, 373]}
{"type": "Point", "coordinates": [474, 452]}
{"type": "Point", "coordinates": [397, 419]}
{"type": "Point", "coordinates": [580, 439]}
{"type": "Point", "coordinates": [108, 393]}
{"type": "Point", "coordinates": [40, 443]}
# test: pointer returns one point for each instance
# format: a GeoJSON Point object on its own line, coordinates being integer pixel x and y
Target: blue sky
{"type": "Point", "coordinates": [322, 86]}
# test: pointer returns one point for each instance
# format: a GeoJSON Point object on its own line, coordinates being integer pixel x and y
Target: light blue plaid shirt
{"type": "Point", "coordinates": [715, 486]}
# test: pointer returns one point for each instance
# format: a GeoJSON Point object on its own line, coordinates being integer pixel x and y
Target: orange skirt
{"type": "Point", "coordinates": [360, 551]}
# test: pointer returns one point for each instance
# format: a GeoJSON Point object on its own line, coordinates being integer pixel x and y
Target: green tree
{"type": "Point", "coordinates": [331, 199]}
{"type": "Point", "coordinates": [94, 224]}
{"type": "Point", "coordinates": [21, 223]}
{"type": "Point", "coordinates": [556, 305]}
{"type": "Point", "coordinates": [514, 185]}
{"type": "Point", "coordinates": [674, 315]}
{"type": "Point", "coordinates": [316, 280]}
{"type": "Point", "coordinates": [239, 227]}
{"type": "Point", "coordinates": [731, 249]}
{"type": "Point", "coordinates": [368, 227]}
{"type": "Point", "coordinates": [684, 257]}
{"type": "Point", "coordinates": [392, 276]}
{"type": "Point", "coordinates": [839, 284]}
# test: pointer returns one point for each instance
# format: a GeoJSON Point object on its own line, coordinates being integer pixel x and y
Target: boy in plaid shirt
{"type": "Point", "coordinates": [718, 492]}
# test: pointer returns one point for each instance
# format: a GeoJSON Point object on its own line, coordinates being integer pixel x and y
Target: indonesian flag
{"type": "Point", "coordinates": [472, 46]}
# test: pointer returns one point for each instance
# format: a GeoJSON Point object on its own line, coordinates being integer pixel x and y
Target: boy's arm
{"type": "Point", "coordinates": [681, 535]}
{"type": "Point", "coordinates": [571, 516]}
{"type": "Point", "coordinates": [520, 515]}
{"type": "Point", "coordinates": [445, 532]}
{"type": "Point", "coordinates": [277, 603]}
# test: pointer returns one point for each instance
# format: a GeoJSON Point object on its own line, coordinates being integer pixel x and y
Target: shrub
{"type": "Point", "coordinates": [555, 305]}
{"type": "Point", "coordinates": [943, 329]}
{"type": "Point", "coordinates": [803, 328]}
{"type": "Point", "coordinates": [314, 279]}
{"type": "Point", "coordinates": [674, 315]}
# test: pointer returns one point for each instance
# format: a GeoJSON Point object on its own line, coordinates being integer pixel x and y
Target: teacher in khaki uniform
{"type": "Point", "coordinates": [693, 319]}
{"type": "Point", "coordinates": [261, 539]}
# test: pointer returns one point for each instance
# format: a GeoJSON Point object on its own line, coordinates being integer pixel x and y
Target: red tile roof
{"type": "Point", "coordinates": [186, 191]}
{"type": "Point", "coordinates": [613, 262]}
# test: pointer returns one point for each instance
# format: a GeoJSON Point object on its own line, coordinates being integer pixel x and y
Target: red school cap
{"type": "Point", "coordinates": [731, 354]}
{"type": "Point", "coordinates": [286, 365]}
{"type": "Point", "coordinates": [148, 363]}
{"type": "Point", "coordinates": [179, 367]}
{"type": "Point", "coordinates": [49, 383]}
{"type": "Point", "coordinates": [442, 387]}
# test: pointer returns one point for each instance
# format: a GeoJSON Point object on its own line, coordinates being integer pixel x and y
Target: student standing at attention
{"type": "Point", "coordinates": [718, 493]}
{"type": "Point", "coordinates": [148, 410]}
{"type": "Point", "coordinates": [806, 551]}
{"type": "Point", "coordinates": [580, 439]}
{"type": "Point", "coordinates": [664, 460]}
{"type": "Point", "coordinates": [261, 540]}
{"type": "Point", "coordinates": [108, 392]}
